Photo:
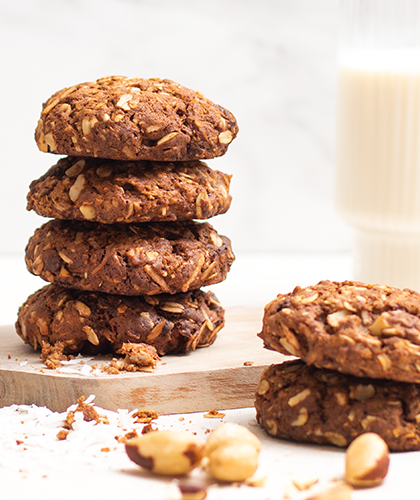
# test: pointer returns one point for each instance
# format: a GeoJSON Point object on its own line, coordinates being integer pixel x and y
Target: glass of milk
{"type": "Point", "coordinates": [378, 138]}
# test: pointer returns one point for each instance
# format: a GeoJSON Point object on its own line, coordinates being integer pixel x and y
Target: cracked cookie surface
{"type": "Point", "coordinates": [356, 328]}
{"type": "Point", "coordinates": [303, 403]}
{"type": "Point", "coordinates": [111, 191]}
{"type": "Point", "coordinates": [134, 119]}
{"type": "Point", "coordinates": [129, 259]}
{"type": "Point", "coordinates": [91, 322]}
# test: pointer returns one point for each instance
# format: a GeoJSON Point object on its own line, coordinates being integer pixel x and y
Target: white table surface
{"type": "Point", "coordinates": [82, 470]}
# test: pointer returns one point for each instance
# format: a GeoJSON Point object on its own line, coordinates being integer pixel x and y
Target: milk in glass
{"type": "Point", "coordinates": [378, 160]}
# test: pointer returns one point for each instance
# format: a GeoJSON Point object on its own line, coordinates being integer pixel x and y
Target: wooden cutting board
{"type": "Point", "coordinates": [222, 376]}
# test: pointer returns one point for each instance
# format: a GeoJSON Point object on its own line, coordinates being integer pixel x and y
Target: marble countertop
{"type": "Point", "coordinates": [34, 465]}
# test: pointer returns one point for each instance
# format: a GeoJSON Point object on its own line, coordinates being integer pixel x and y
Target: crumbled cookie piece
{"type": "Point", "coordinates": [145, 416]}
{"type": "Point", "coordinates": [62, 434]}
{"type": "Point", "coordinates": [89, 414]}
{"type": "Point", "coordinates": [214, 414]}
{"type": "Point", "coordinates": [356, 328]}
{"type": "Point", "coordinates": [138, 357]}
{"type": "Point", "coordinates": [53, 355]}
{"type": "Point", "coordinates": [148, 428]}
{"type": "Point", "coordinates": [128, 435]}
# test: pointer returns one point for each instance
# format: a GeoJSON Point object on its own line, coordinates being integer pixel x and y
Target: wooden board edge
{"type": "Point", "coordinates": [180, 393]}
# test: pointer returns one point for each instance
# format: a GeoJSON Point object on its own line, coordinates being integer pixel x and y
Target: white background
{"type": "Point", "coordinates": [271, 62]}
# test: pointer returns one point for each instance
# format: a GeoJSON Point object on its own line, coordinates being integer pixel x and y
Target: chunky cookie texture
{"type": "Point", "coordinates": [303, 403]}
{"type": "Point", "coordinates": [355, 328]}
{"type": "Point", "coordinates": [134, 119]}
{"type": "Point", "coordinates": [129, 259]}
{"type": "Point", "coordinates": [111, 191]}
{"type": "Point", "coordinates": [90, 322]}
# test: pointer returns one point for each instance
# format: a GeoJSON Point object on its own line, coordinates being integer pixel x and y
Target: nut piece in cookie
{"type": "Point", "coordinates": [134, 119]}
{"type": "Point", "coordinates": [129, 259]}
{"type": "Point", "coordinates": [356, 328]}
{"type": "Point", "coordinates": [110, 191]}
{"type": "Point", "coordinates": [298, 402]}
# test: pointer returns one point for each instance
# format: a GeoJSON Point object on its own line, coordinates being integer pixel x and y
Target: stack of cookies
{"type": "Point", "coordinates": [123, 252]}
{"type": "Point", "coordinates": [359, 366]}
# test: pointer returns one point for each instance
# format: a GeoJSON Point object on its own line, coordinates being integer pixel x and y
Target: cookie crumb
{"type": "Point", "coordinates": [62, 434]}
{"type": "Point", "coordinates": [129, 435]}
{"type": "Point", "coordinates": [138, 357]}
{"type": "Point", "coordinates": [145, 416]}
{"type": "Point", "coordinates": [89, 414]}
{"type": "Point", "coordinates": [52, 355]}
{"type": "Point", "coordinates": [148, 428]}
{"type": "Point", "coordinates": [214, 414]}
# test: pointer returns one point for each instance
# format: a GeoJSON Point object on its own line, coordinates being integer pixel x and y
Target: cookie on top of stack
{"type": "Point", "coordinates": [359, 366]}
{"type": "Point", "coordinates": [124, 254]}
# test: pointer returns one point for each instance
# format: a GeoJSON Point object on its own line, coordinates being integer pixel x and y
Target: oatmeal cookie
{"type": "Point", "coordinates": [134, 119]}
{"type": "Point", "coordinates": [129, 259]}
{"type": "Point", "coordinates": [93, 322]}
{"type": "Point", "coordinates": [111, 191]}
{"type": "Point", "coordinates": [303, 403]}
{"type": "Point", "coordinates": [360, 329]}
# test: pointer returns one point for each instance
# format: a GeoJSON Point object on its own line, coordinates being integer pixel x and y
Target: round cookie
{"type": "Point", "coordinates": [129, 259]}
{"type": "Point", "coordinates": [134, 119]}
{"type": "Point", "coordinates": [303, 403]}
{"type": "Point", "coordinates": [91, 322]}
{"type": "Point", "coordinates": [111, 191]}
{"type": "Point", "coordinates": [356, 328]}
